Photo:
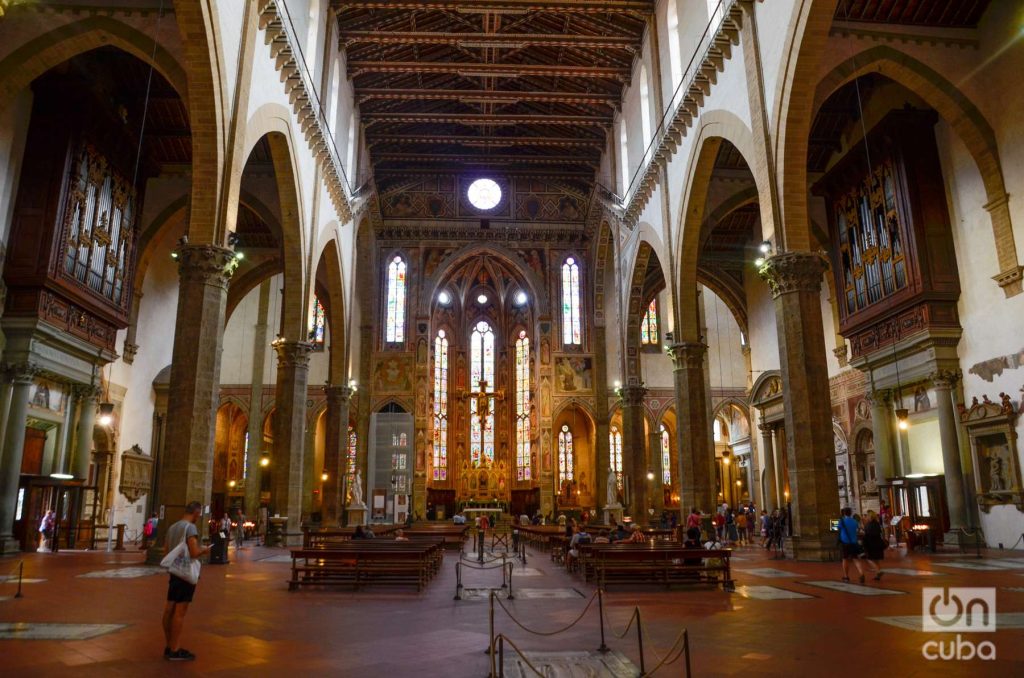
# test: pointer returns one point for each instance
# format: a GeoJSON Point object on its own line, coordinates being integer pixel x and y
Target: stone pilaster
{"type": "Point", "coordinates": [945, 381]}
{"type": "Point", "coordinates": [335, 448]}
{"type": "Point", "coordinates": [881, 431]}
{"type": "Point", "coordinates": [289, 434]}
{"type": "Point", "coordinates": [634, 452]}
{"type": "Point", "coordinates": [187, 469]}
{"type": "Point", "coordinates": [548, 456]}
{"type": "Point", "coordinates": [86, 396]}
{"type": "Point", "coordinates": [794, 279]}
{"type": "Point", "coordinates": [14, 443]}
{"type": "Point", "coordinates": [771, 488]}
{"type": "Point", "coordinates": [602, 449]}
{"type": "Point", "coordinates": [693, 430]}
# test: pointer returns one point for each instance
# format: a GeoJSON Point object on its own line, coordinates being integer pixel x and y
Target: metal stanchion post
{"type": "Point", "coordinates": [600, 612]}
{"type": "Point", "coordinates": [458, 581]}
{"type": "Point", "coordinates": [21, 571]}
{"type": "Point", "coordinates": [480, 546]}
{"type": "Point", "coordinates": [490, 646]}
{"type": "Point", "coordinates": [640, 643]}
{"type": "Point", "coordinates": [510, 567]}
{"type": "Point", "coordinates": [686, 651]}
{"type": "Point", "coordinates": [501, 656]}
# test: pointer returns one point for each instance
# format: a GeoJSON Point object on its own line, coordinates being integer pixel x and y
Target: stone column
{"type": "Point", "coordinates": [693, 430]}
{"type": "Point", "coordinates": [634, 444]}
{"type": "Point", "coordinates": [187, 469]}
{"type": "Point", "coordinates": [602, 449]}
{"type": "Point", "coordinates": [335, 451]}
{"type": "Point", "coordinates": [253, 471]}
{"type": "Point", "coordinates": [656, 486]}
{"type": "Point", "coordinates": [881, 433]}
{"type": "Point", "coordinates": [771, 498]}
{"type": "Point", "coordinates": [14, 445]}
{"type": "Point", "coordinates": [794, 279]}
{"type": "Point", "coordinates": [86, 423]}
{"type": "Point", "coordinates": [289, 434]}
{"type": "Point", "coordinates": [944, 382]}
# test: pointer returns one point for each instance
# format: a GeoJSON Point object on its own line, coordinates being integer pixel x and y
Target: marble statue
{"type": "Point", "coordinates": [612, 498]}
{"type": "Point", "coordinates": [357, 490]}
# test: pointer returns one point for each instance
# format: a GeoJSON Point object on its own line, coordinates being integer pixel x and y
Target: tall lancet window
{"type": "Point", "coordinates": [666, 458]}
{"type": "Point", "coordinates": [615, 449]}
{"type": "Point", "coordinates": [523, 466]}
{"type": "Point", "coordinates": [481, 373]}
{"type": "Point", "coordinates": [649, 325]}
{"type": "Point", "coordinates": [572, 328]}
{"type": "Point", "coordinates": [440, 406]}
{"type": "Point", "coordinates": [395, 320]}
{"type": "Point", "coordinates": [566, 459]}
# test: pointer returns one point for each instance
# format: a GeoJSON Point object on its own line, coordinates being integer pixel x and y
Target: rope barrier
{"type": "Point", "coordinates": [502, 638]}
{"type": "Point", "coordinates": [20, 568]}
{"type": "Point", "coordinates": [547, 633]}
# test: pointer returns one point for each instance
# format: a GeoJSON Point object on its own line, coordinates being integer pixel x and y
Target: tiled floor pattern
{"type": "Point", "coordinates": [123, 573]}
{"type": "Point", "coordinates": [557, 664]}
{"type": "Point", "coordinates": [785, 619]}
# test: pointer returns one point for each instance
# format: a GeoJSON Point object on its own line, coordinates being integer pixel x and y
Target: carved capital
{"type": "Point", "coordinates": [128, 352]}
{"type": "Point", "coordinates": [23, 373]}
{"type": "Point", "coordinates": [688, 355]}
{"type": "Point", "coordinates": [206, 264]}
{"type": "Point", "coordinates": [86, 391]}
{"type": "Point", "coordinates": [879, 397]}
{"type": "Point", "coordinates": [292, 353]}
{"type": "Point", "coordinates": [790, 272]}
{"type": "Point", "coordinates": [946, 379]}
{"type": "Point", "coordinates": [338, 395]}
{"type": "Point", "coordinates": [841, 354]}
{"type": "Point", "coordinates": [633, 395]}
{"type": "Point", "coordinates": [766, 429]}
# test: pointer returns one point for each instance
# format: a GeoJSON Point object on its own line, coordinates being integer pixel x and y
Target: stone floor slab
{"type": "Point", "coordinates": [276, 559]}
{"type": "Point", "coordinates": [980, 566]}
{"type": "Point", "coordinates": [527, 572]}
{"type": "Point", "coordinates": [912, 622]}
{"type": "Point", "coordinates": [547, 593]}
{"type": "Point", "coordinates": [124, 573]}
{"type": "Point", "coordinates": [569, 664]}
{"type": "Point", "coordinates": [14, 580]}
{"type": "Point", "coordinates": [856, 589]}
{"type": "Point", "coordinates": [52, 631]}
{"type": "Point", "coordinates": [768, 593]}
{"type": "Point", "coordinates": [908, 572]}
{"type": "Point", "coordinates": [768, 572]}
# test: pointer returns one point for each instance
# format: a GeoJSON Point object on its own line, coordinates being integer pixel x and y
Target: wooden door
{"type": "Point", "coordinates": [32, 454]}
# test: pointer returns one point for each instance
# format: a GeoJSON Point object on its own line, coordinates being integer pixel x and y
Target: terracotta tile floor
{"type": "Point", "coordinates": [246, 622]}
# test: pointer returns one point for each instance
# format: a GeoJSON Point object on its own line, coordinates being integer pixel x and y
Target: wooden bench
{"type": "Point", "coordinates": [660, 564]}
{"type": "Point", "coordinates": [450, 535]}
{"type": "Point", "coordinates": [315, 538]}
{"type": "Point", "coordinates": [359, 563]}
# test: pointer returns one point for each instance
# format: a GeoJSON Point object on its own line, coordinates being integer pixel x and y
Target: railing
{"type": "Point", "coordinates": [685, 103]}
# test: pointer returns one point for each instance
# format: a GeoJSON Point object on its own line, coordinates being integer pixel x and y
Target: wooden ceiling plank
{"type": "Point", "coordinates": [504, 6]}
{"type": "Point", "coordinates": [357, 68]}
{"type": "Point", "coordinates": [497, 40]}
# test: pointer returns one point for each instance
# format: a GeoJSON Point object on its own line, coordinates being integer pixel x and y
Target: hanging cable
{"type": "Point", "coordinates": [149, 85]}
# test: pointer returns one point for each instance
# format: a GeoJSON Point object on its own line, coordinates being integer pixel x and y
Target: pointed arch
{"type": "Point", "coordinates": [335, 305]}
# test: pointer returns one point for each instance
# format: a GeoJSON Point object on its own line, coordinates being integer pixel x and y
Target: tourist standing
{"type": "Point", "coordinates": [875, 544]}
{"type": "Point", "coordinates": [46, 526]}
{"type": "Point", "coordinates": [741, 526]}
{"type": "Point", "coordinates": [849, 546]}
{"type": "Point", "coordinates": [179, 591]}
{"type": "Point", "coordinates": [239, 529]}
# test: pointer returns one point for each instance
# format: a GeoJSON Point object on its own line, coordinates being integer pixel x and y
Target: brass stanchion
{"type": "Point", "coordinates": [600, 609]}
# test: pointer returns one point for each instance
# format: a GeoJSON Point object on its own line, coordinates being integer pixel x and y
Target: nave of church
{"type": "Point", "coordinates": [509, 272]}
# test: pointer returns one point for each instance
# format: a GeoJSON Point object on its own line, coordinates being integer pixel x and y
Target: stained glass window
{"type": "Point", "coordinates": [440, 460]}
{"type": "Point", "coordinates": [615, 446]}
{"type": "Point", "coordinates": [666, 459]}
{"type": "Point", "coordinates": [350, 466]}
{"type": "Point", "coordinates": [395, 320]}
{"type": "Point", "coordinates": [245, 457]}
{"type": "Point", "coordinates": [565, 455]}
{"type": "Point", "coordinates": [317, 323]}
{"type": "Point", "coordinates": [523, 467]}
{"type": "Point", "coordinates": [481, 369]}
{"type": "Point", "coordinates": [649, 324]}
{"type": "Point", "coordinates": [571, 323]}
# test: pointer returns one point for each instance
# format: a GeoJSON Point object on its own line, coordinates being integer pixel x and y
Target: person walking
{"type": "Point", "coordinates": [239, 529]}
{"type": "Point", "coordinates": [741, 527]}
{"type": "Point", "coordinates": [179, 591]}
{"type": "Point", "coordinates": [875, 544]}
{"type": "Point", "coordinates": [849, 546]}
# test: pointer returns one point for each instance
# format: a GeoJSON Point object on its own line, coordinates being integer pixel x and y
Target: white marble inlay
{"type": "Point", "coordinates": [912, 622]}
{"type": "Point", "coordinates": [546, 593]}
{"type": "Point", "coordinates": [48, 631]}
{"type": "Point", "coordinates": [768, 593]}
{"type": "Point", "coordinates": [1014, 589]}
{"type": "Point", "coordinates": [909, 572]}
{"type": "Point", "coordinates": [527, 572]}
{"type": "Point", "coordinates": [768, 572]}
{"type": "Point", "coordinates": [1002, 563]}
{"type": "Point", "coordinates": [14, 580]}
{"type": "Point", "coordinates": [569, 664]}
{"type": "Point", "coordinates": [124, 573]}
{"type": "Point", "coordinates": [483, 594]}
{"type": "Point", "coordinates": [276, 559]}
{"type": "Point", "coordinates": [857, 589]}
{"type": "Point", "coordinates": [3, 598]}
{"type": "Point", "coordinates": [979, 566]}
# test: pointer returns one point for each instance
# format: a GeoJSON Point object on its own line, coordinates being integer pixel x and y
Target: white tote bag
{"type": "Point", "coordinates": [181, 564]}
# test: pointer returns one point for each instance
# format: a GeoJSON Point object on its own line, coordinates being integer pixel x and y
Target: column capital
{"type": "Point", "coordinates": [86, 391]}
{"type": "Point", "coordinates": [633, 395]}
{"type": "Point", "coordinates": [879, 396]}
{"type": "Point", "coordinates": [339, 394]}
{"type": "Point", "coordinates": [292, 353]}
{"type": "Point", "coordinates": [945, 379]}
{"type": "Point", "coordinates": [22, 373]}
{"type": "Point", "coordinates": [766, 428]}
{"type": "Point", "coordinates": [790, 272]}
{"type": "Point", "coordinates": [206, 264]}
{"type": "Point", "coordinates": [128, 352]}
{"type": "Point", "coordinates": [688, 354]}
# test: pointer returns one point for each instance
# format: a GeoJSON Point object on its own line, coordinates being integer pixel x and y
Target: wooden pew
{"type": "Point", "coordinates": [659, 564]}
{"type": "Point", "coordinates": [452, 536]}
{"type": "Point", "coordinates": [359, 563]}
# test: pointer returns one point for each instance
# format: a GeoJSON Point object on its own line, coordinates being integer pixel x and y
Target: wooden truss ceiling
{"type": "Point", "coordinates": [497, 85]}
{"type": "Point", "coordinates": [936, 13]}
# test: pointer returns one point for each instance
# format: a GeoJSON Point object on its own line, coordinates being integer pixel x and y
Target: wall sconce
{"type": "Point", "coordinates": [650, 475]}
{"type": "Point", "coordinates": [264, 459]}
{"type": "Point", "coordinates": [231, 484]}
{"type": "Point", "coordinates": [324, 476]}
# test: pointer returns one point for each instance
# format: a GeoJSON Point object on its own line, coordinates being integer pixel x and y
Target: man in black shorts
{"type": "Point", "coordinates": [179, 591]}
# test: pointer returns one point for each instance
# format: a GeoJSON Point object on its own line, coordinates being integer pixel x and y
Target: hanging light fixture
{"type": "Point", "coordinates": [324, 476]}
{"type": "Point", "coordinates": [265, 459]}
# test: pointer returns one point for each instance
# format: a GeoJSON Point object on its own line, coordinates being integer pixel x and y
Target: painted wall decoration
{"type": "Point", "coordinates": [393, 374]}
{"type": "Point", "coordinates": [47, 395]}
{"type": "Point", "coordinates": [574, 374]}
